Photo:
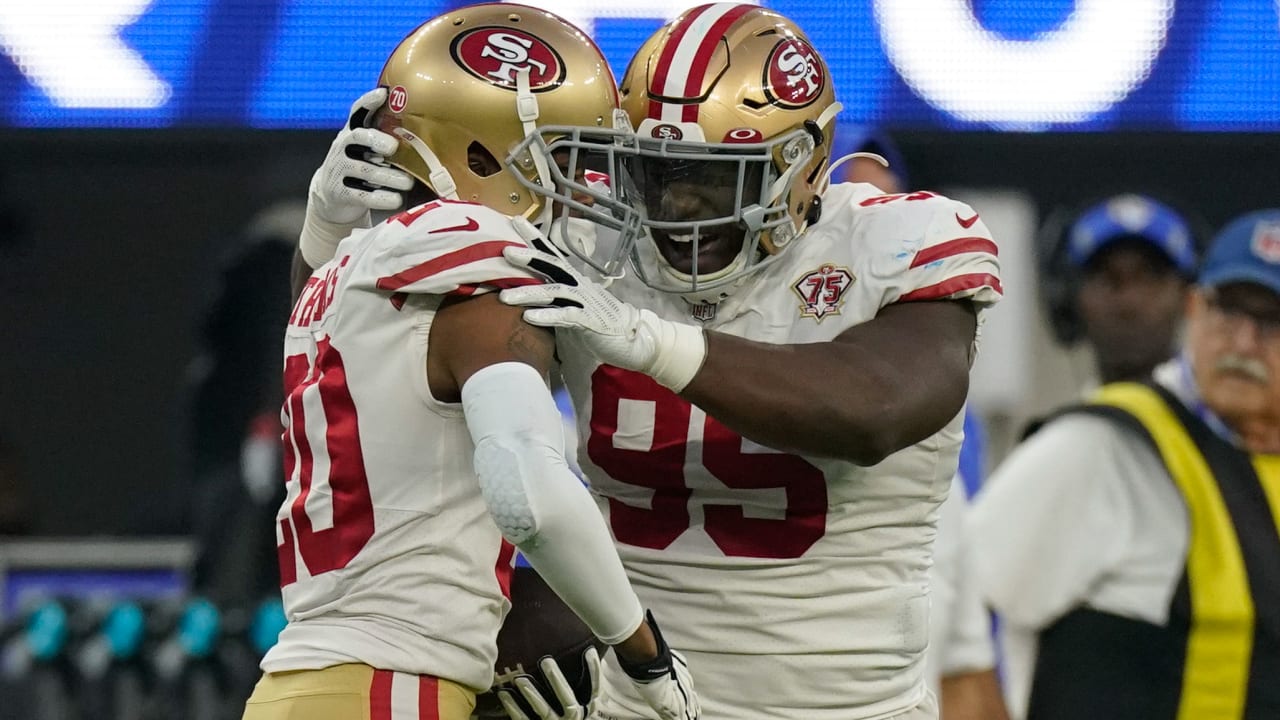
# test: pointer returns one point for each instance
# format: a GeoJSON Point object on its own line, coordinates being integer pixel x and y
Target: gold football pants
{"type": "Point", "coordinates": [357, 692]}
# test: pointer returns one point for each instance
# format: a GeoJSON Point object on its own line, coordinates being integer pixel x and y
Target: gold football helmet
{"type": "Point", "coordinates": [481, 79]}
{"type": "Point", "coordinates": [727, 95]}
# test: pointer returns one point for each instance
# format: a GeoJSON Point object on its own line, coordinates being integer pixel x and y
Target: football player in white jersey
{"type": "Point", "coordinates": [770, 390]}
{"type": "Point", "coordinates": [420, 435]}
{"type": "Point", "coordinates": [960, 662]}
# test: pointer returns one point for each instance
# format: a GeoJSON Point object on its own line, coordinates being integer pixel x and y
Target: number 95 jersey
{"type": "Point", "coordinates": [796, 586]}
{"type": "Point", "coordinates": [388, 555]}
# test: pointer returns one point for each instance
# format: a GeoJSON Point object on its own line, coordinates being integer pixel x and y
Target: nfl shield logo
{"type": "Point", "coordinates": [703, 311]}
{"type": "Point", "coordinates": [822, 291]}
{"type": "Point", "coordinates": [1266, 241]}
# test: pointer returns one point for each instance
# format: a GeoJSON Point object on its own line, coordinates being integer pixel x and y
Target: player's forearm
{"type": "Point", "coordinates": [537, 502]}
{"type": "Point", "coordinates": [831, 399]}
{"type": "Point", "coordinates": [795, 398]}
{"type": "Point", "coordinates": [574, 553]}
{"type": "Point", "coordinates": [877, 388]}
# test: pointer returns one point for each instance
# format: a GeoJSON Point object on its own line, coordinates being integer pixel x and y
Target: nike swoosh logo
{"type": "Point", "coordinates": [966, 223]}
{"type": "Point", "coordinates": [471, 226]}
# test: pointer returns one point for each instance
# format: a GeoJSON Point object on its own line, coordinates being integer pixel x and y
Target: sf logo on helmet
{"type": "Point", "coordinates": [498, 56]}
{"type": "Point", "coordinates": [793, 76]}
{"type": "Point", "coordinates": [667, 132]}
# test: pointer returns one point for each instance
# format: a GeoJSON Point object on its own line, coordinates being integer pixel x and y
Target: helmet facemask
{"type": "Point", "coordinates": [714, 212]}
{"type": "Point", "coordinates": [589, 199]}
{"type": "Point", "coordinates": [638, 205]}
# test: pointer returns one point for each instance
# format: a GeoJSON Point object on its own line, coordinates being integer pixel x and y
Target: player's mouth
{"type": "Point", "coordinates": [716, 249]}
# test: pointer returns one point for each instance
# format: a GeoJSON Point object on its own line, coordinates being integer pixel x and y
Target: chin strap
{"type": "Point", "coordinates": [527, 111]}
{"type": "Point", "coordinates": [441, 181]}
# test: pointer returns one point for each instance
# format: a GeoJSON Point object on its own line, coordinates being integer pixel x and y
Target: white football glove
{"type": "Point", "coordinates": [353, 180]}
{"type": "Point", "coordinates": [616, 332]}
{"type": "Point", "coordinates": [571, 707]}
{"type": "Point", "coordinates": [665, 682]}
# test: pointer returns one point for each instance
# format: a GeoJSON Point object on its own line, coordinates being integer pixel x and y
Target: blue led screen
{"type": "Point", "coordinates": [1027, 65]}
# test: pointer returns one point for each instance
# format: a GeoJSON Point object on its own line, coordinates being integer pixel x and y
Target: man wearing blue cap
{"type": "Point", "coordinates": [1132, 544]}
{"type": "Point", "coordinates": [1135, 259]}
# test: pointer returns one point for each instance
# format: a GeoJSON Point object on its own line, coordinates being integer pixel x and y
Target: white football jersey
{"type": "Point", "coordinates": [797, 586]}
{"type": "Point", "coordinates": [388, 554]}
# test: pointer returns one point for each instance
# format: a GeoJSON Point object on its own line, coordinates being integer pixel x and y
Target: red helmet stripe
{"type": "Point", "coordinates": [663, 67]}
{"type": "Point", "coordinates": [686, 56]}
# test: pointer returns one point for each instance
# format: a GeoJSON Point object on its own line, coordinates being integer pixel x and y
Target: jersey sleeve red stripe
{"type": "Point", "coordinates": [957, 246]}
{"type": "Point", "coordinates": [469, 254]}
{"type": "Point", "coordinates": [497, 284]}
{"type": "Point", "coordinates": [953, 285]}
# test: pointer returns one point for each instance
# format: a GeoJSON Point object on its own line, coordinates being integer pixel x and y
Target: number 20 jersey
{"type": "Point", "coordinates": [797, 586]}
{"type": "Point", "coordinates": [388, 555]}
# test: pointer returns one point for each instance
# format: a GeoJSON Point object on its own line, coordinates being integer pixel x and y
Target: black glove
{"type": "Point", "coordinates": [548, 695]}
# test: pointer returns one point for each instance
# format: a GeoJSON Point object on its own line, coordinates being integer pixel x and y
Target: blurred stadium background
{"type": "Point", "coordinates": [141, 140]}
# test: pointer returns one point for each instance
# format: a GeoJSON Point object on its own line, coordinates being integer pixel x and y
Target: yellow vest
{"type": "Point", "coordinates": [1233, 557]}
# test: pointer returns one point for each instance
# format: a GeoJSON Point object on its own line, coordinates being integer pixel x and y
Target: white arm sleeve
{"type": "Point", "coordinates": [539, 504]}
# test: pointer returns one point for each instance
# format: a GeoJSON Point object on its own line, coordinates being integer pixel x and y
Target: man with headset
{"type": "Point", "coordinates": [1127, 262]}
{"type": "Point", "coordinates": [1131, 544]}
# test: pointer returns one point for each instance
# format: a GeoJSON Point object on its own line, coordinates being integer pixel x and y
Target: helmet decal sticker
{"type": "Point", "coordinates": [793, 76]}
{"type": "Point", "coordinates": [497, 54]}
{"type": "Point", "coordinates": [666, 131]}
{"type": "Point", "coordinates": [397, 99]}
{"type": "Point", "coordinates": [743, 135]}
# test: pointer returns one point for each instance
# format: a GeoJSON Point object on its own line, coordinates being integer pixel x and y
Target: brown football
{"type": "Point", "coordinates": [539, 624]}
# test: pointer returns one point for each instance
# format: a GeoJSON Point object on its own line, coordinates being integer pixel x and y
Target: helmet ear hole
{"type": "Point", "coordinates": [480, 161]}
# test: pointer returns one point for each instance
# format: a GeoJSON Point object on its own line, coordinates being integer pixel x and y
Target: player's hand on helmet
{"type": "Point", "coordinates": [552, 697]}
{"type": "Point", "coordinates": [353, 180]}
{"type": "Point", "coordinates": [618, 333]}
{"type": "Point", "coordinates": [355, 177]}
{"type": "Point", "coordinates": [664, 682]}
